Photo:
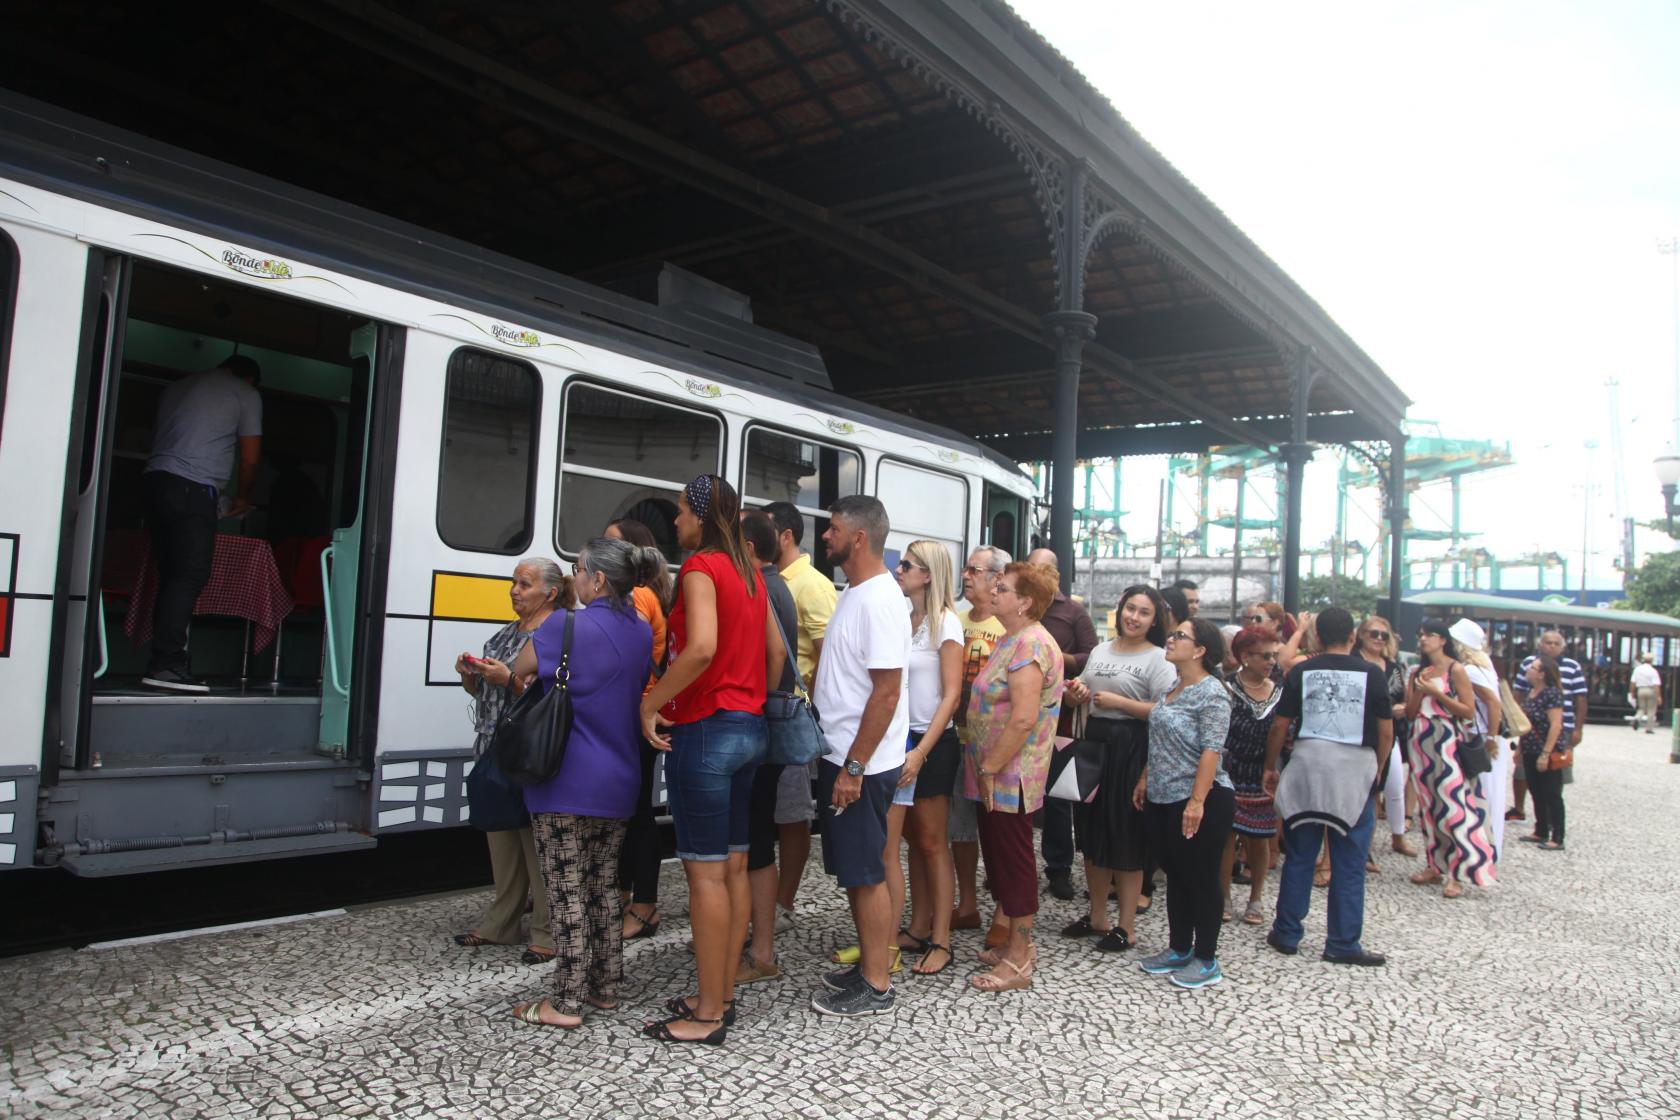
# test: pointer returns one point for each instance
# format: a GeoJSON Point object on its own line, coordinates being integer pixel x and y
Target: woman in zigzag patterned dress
{"type": "Point", "coordinates": [1458, 849]}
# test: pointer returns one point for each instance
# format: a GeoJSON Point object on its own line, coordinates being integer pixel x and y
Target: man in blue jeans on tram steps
{"type": "Point", "coordinates": [1346, 732]}
{"type": "Point", "coordinates": [862, 698]}
{"type": "Point", "coordinates": [209, 426]}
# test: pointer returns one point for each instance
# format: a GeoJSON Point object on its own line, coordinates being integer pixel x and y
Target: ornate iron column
{"type": "Point", "coordinates": [1396, 510]}
{"type": "Point", "coordinates": [1295, 455]}
{"type": "Point", "coordinates": [1068, 332]}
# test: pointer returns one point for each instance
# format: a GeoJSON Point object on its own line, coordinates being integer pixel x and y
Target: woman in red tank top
{"type": "Point", "coordinates": [712, 700]}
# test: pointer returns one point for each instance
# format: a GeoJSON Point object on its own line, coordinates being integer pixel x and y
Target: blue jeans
{"type": "Point", "coordinates": [1345, 914]}
{"type": "Point", "coordinates": [708, 778]}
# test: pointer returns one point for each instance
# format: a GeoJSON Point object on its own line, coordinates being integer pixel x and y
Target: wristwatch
{"type": "Point", "coordinates": [854, 768]}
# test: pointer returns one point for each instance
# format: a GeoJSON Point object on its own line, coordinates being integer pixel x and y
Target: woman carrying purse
{"type": "Point", "coordinates": [1544, 759]}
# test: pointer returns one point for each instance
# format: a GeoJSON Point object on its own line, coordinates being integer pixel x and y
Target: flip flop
{"type": "Point", "coordinates": [472, 940]}
{"type": "Point", "coordinates": [931, 949]}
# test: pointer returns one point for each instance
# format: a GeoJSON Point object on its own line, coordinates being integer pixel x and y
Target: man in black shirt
{"type": "Point", "coordinates": [1346, 732]}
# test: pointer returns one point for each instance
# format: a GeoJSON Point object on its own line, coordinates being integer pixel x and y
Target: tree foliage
{"type": "Point", "coordinates": [1318, 592]}
{"type": "Point", "coordinates": [1655, 585]}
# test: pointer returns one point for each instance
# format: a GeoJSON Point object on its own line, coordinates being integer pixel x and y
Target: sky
{"type": "Point", "coordinates": [1474, 191]}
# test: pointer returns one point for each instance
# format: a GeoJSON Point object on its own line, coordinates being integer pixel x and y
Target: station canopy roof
{"type": "Point", "coordinates": [885, 180]}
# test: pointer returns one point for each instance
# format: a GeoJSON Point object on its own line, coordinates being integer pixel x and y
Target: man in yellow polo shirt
{"type": "Point", "coordinates": [815, 596]}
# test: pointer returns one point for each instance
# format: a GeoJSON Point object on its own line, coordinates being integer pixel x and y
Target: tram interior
{"type": "Point", "coordinates": [307, 485]}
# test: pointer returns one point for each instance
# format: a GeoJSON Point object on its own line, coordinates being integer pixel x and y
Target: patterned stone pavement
{"type": "Point", "coordinates": [1554, 994]}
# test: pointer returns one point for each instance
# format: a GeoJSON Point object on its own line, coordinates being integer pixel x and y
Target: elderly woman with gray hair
{"type": "Point", "coordinates": [539, 588]}
{"type": "Point", "coordinates": [579, 815]}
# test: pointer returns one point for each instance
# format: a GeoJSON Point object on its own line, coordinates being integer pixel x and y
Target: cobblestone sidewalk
{"type": "Point", "coordinates": [1554, 994]}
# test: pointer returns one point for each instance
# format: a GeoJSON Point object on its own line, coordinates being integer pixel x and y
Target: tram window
{"type": "Point", "coordinates": [923, 503]}
{"type": "Point", "coordinates": [788, 468]}
{"type": "Point", "coordinates": [783, 467]}
{"type": "Point", "coordinates": [626, 455]}
{"type": "Point", "coordinates": [485, 473]}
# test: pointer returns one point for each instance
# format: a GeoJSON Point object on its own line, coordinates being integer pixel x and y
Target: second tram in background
{"type": "Point", "coordinates": [1607, 643]}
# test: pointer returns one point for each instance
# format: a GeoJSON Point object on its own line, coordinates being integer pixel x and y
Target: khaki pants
{"type": "Point", "coordinates": [518, 879]}
{"type": "Point", "coordinates": [1647, 717]}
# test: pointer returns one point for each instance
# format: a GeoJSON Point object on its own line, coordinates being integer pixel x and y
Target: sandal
{"type": "Point", "coordinates": [472, 940]}
{"type": "Point", "coordinates": [994, 980]}
{"type": "Point", "coordinates": [680, 1007]}
{"type": "Point", "coordinates": [1321, 876]}
{"type": "Point", "coordinates": [532, 1013]}
{"type": "Point", "coordinates": [661, 1030]}
{"type": "Point", "coordinates": [1424, 878]}
{"type": "Point", "coordinates": [920, 968]}
{"type": "Point", "coordinates": [852, 954]}
{"type": "Point", "coordinates": [1253, 915]}
{"type": "Point", "coordinates": [646, 927]}
{"type": "Point", "coordinates": [916, 944]}
{"type": "Point", "coordinates": [1452, 889]}
{"type": "Point", "coordinates": [534, 955]}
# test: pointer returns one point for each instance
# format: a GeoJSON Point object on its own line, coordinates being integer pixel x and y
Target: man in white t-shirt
{"type": "Point", "coordinates": [861, 695]}
{"type": "Point", "coordinates": [1647, 692]}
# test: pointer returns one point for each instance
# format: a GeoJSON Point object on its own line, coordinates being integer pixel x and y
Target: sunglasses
{"type": "Point", "coordinates": [1254, 618]}
{"type": "Point", "coordinates": [1272, 656]}
{"type": "Point", "coordinates": [906, 564]}
{"type": "Point", "coordinates": [1379, 635]}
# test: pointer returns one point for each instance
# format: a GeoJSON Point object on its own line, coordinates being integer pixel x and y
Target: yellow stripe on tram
{"type": "Point", "coordinates": [472, 597]}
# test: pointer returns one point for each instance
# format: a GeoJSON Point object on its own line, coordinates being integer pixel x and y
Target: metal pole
{"type": "Point", "coordinates": [1295, 455]}
{"type": "Point", "coordinates": [1068, 332]}
{"type": "Point", "coordinates": [1396, 511]}
{"type": "Point", "coordinates": [1236, 549]}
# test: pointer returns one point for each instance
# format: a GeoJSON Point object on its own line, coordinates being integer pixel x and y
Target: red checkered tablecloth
{"type": "Point", "coordinates": [244, 583]}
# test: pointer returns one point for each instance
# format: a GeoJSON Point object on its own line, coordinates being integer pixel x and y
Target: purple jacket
{"type": "Point", "coordinates": [611, 651]}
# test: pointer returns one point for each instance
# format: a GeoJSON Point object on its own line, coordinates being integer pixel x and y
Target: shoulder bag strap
{"type": "Point", "coordinates": [563, 671]}
{"type": "Point", "coordinates": [787, 654]}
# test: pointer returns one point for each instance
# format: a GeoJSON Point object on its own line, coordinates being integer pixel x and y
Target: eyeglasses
{"type": "Point", "coordinates": [971, 570]}
{"type": "Point", "coordinates": [1175, 636]}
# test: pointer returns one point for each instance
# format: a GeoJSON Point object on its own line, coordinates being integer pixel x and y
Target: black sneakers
{"type": "Point", "coordinates": [174, 680]}
{"type": "Point", "coordinates": [1061, 885]}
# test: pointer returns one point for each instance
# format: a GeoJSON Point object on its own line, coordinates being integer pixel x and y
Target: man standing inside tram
{"type": "Point", "coordinates": [207, 424]}
{"type": "Point", "coordinates": [1070, 624]}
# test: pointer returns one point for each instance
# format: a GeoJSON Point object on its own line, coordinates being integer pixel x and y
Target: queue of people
{"type": "Point", "coordinates": [939, 732]}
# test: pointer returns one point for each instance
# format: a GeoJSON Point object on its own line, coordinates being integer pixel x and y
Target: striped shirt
{"type": "Point", "coordinates": [1574, 684]}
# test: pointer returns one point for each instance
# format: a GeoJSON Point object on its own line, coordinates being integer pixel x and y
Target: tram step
{"type": "Point", "coordinates": [209, 855]}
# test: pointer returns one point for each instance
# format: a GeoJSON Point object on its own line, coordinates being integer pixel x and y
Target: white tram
{"type": "Point", "coordinates": [446, 411]}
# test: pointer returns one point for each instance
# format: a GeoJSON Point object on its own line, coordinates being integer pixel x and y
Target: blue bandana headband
{"type": "Point", "coordinates": [699, 496]}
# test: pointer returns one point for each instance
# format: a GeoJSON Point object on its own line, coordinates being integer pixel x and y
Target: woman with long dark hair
{"type": "Point", "coordinates": [1121, 682]}
{"type": "Point", "coordinates": [638, 862]}
{"type": "Point", "coordinates": [1439, 702]}
{"type": "Point", "coordinates": [712, 699]}
{"type": "Point", "coordinates": [1543, 750]}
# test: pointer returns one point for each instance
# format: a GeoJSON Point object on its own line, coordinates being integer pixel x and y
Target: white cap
{"type": "Point", "coordinates": [1467, 633]}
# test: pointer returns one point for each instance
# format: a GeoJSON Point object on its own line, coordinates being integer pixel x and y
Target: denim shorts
{"type": "Point", "coordinates": [709, 776]}
{"type": "Point", "coordinates": [906, 794]}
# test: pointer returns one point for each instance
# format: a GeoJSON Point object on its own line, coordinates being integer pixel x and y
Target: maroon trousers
{"type": "Point", "coordinates": [1006, 842]}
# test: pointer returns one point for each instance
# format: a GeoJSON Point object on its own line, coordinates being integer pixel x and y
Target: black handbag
{"type": "Point", "coordinates": [530, 738]}
{"type": "Point", "coordinates": [494, 804]}
{"type": "Point", "coordinates": [1473, 757]}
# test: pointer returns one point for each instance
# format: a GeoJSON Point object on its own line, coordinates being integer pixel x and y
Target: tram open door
{"type": "Point", "coordinates": [268, 760]}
